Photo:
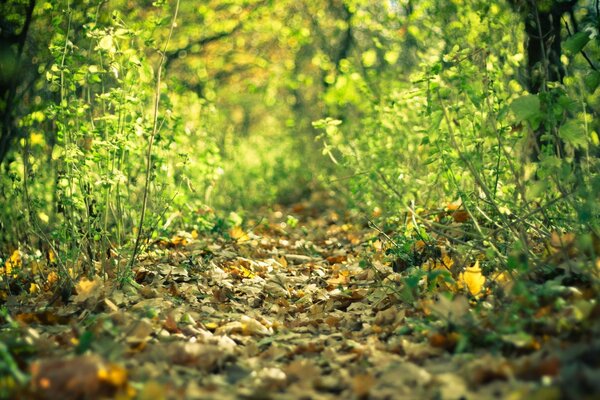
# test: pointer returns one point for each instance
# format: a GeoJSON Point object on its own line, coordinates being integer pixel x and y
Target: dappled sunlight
{"type": "Point", "coordinates": [299, 199]}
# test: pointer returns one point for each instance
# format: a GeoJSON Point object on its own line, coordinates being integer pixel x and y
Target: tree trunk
{"type": "Point", "coordinates": [543, 47]}
{"type": "Point", "coordinates": [11, 55]}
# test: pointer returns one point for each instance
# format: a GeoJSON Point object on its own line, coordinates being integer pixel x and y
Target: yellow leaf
{"type": "Point", "coordinates": [52, 257]}
{"type": "Point", "coordinates": [443, 264]}
{"type": "Point", "coordinates": [87, 289]}
{"type": "Point", "coordinates": [211, 326]}
{"type": "Point", "coordinates": [238, 234]}
{"type": "Point", "coordinates": [33, 288]}
{"type": "Point", "coordinates": [43, 217]}
{"type": "Point", "coordinates": [37, 139]}
{"type": "Point", "coordinates": [473, 279]}
{"type": "Point", "coordinates": [13, 262]}
{"type": "Point", "coordinates": [503, 278]}
{"type": "Point", "coordinates": [282, 261]}
{"type": "Point", "coordinates": [251, 326]}
{"type": "Point", "coordinates": [113, 374]}
{"type": "Point", "coordinates": [241, 271]}
{"type": "Point", "coordinates": [178, 240]}
{"type": "Point", "coordinates": [52, 278]}
{"type": "Point", "coordinates": [86, 286]}
{"type": "Point", "coordinates": [369, 58]}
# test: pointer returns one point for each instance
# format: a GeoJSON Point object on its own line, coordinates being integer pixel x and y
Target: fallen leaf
{"type": "Point", "coordinates": [80, 377]}
{"type": "Point", "coordinates": [473, 279]}
{"type": "Point", "coordinates": [451, 310]}
{"type": "Point", "coordinates": [88, 291]}
{"type": "Point", "coordinates": [460, 216]}
{"type": "Point", "coordinates": [238, 234]}
{"type": "Point", "coordinates": [139, 332]}
{"type": "Point", "coordinates": [13, 262]}
{"type": "Point", "coordinates": [112, 374]}
{"type": "Point", "coordinates": [445, 341]}
{"type": "Point", "coordinates": [304, 371]}
{"type": "Point", "coordinates": [362, 384]}
{"type": "Point", "coordinates": [337, 259]}
{"type": "Point", "coordinates": [152, 391]}
{"type": "Point", "coordinates": [270, 379]}
{"type": "Point", "coordinates": [204, 356]}
{"type": "Point", "coordinates": [298, 258]}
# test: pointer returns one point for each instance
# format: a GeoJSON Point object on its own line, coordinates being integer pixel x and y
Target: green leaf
{"type": "Point", "coordinates": [10, 364]}
{"type": "Point", "coordinates": [391, 56]}
{"type": "Point", "coordinates": [526, 107]}
{"type": "Point", "coordinates": [577, 42]}
{"type": "Point", "coordinates": [436, 119]}
{"type": "Point", "coordinates": [106, 44]}
{"type": "Point", "coordinates": [592, 80]}
{"type": "Point", "coordinates": [574, 134]}
{"type": "Point", "coordinates": [369, 58]}
{"type": "Point", "coordinates": [536, 189]}
{"type": "Point", "coordinates": [85, 342]}
{"type": "Point", "coordinates": [518, 339]}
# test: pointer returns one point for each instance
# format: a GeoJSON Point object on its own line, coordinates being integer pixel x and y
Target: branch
{"type": "Point", "coordinates": [174, 55]}
{"type": "Point", "coordinates": [347, 40]}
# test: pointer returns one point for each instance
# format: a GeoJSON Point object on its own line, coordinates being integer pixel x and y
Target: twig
{"type": "Point", "coordinates": [389, 185]}
{"type": "Point", "coordinates": [378, 229]}
{"type": "Point", "coordinates": [431, 226]}
{"type": "Point", "coordinates": [155, 127]}
{"type": "Point", "coordinates": [524, 218]}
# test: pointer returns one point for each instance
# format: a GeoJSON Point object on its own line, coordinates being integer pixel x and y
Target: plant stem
{"type": "Point", "coordinates": [155, 128]}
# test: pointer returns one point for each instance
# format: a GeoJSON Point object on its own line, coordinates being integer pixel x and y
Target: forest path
{"type": "Point", "coordinates": [302, 305]}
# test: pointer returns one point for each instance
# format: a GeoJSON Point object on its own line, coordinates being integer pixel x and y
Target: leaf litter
{"type": "Point", "coordinates": [322, 309]}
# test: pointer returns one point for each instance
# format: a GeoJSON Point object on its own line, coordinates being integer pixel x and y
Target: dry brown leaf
{"type": "Point", "coordinates": [387, 316]}
{"type": "Point", "coordinates": [79, 377]}
{"type": "Point", "coordinates": [337, 259]}
{"type": "Point", "coordinates": [450, 310]}
{"type": "Point", "coordinates": [88, 291]}
{"type": "Point", "coordinates": [445, 341]}
{"type": "Point", "coordinates": [170, 324]}
{"type": "Point", "coordinates": [460, 216]}
{"type": "Point", "coordinates": [362, 384]}
{"type": "Point", "coordinates": [270, 379]}
{"type": "Point", "coordinates": [204, 356]}
{"type": "Point", "coordinates": [304, 371]}
{"type": "Point", "coordinates": [139, 331]}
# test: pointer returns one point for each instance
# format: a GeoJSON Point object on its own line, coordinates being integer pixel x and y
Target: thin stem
{"type": "Point", "coordinates": [543, 87]}
{"type": "Point", "coordinates": [155, 128]}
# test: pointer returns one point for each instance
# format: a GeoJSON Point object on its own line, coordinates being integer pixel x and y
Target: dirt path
{"type": "Point", "coordinates": [301, 307]}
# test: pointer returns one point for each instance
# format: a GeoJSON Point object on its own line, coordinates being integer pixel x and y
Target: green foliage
{"type": "Point", "coordinates": [460, 126]}
{"type": "Point", "coordinates": [577, 42]}
{"type": "Point", "coordinates": [77, 181]}
{"type": "Point", "coordinates": [11, 375]}
{"type": "Point", "coordinates": [401, 106]}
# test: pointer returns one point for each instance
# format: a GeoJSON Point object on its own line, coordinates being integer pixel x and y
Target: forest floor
{"type": "Point", "coordinates": [307, 307]}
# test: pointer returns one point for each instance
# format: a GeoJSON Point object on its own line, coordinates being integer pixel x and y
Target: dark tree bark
{"type": "Point", "coordinates": [543, 46]}
{"type": "Point", "coordinates": [543, 29]}
{"type": "Point", "coordinates": [12, 43]}
{"type": "Point", "coordinates": [345, 44]}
